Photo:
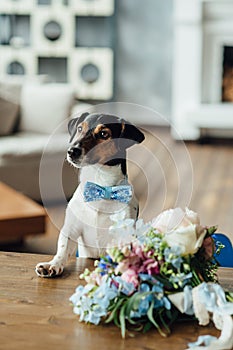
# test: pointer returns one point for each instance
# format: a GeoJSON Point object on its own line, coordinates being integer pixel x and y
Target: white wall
{"type": "Point", "coordinates": [144, 53]}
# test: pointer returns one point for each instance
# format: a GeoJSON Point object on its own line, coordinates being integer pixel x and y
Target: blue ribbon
{"type": "Point", "coordinates": [93, 192]}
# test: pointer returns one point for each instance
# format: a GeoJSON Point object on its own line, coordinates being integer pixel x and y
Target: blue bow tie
{"type": "Point", "coordinates": [94, 192]}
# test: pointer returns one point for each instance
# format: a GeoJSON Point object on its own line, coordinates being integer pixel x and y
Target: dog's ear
{"type": "Point", "coordinates": [130, 134]}
{"type": "Point", "coordinates": [73, 123]}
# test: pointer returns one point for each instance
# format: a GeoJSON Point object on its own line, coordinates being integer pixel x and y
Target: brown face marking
{"type": "Point", "coordinates": [99, 146]}
{"type": "Point", "coordinates": [98, 128]}
{"type": "Point", "coordinates": [80, 133]}
{"type": "Point", "coordinates": [96, 142]}
{"type": "Point", "coordinates": [102, 133]}
{"type": "Point", "coordinates": [122, 127]}
{"type": "Point", "coordinates": [104, 151]}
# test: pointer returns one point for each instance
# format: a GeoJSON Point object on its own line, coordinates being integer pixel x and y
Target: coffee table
{"type": "Point", "coordinates": [19, 215]}
{"type": "Point", "coordinates": [36, 312]}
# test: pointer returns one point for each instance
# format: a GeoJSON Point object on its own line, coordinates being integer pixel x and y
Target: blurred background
{"type": "Point", "coordinates": [166, 66]}
{"type": "Point", "coordinates": [103, 48]}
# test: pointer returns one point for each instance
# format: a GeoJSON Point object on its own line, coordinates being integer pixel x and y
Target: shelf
{"type": "Point", "coordinates": [72, 41]}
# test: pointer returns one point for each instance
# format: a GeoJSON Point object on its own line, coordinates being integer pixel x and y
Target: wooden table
{"type": "Point", "coordinates": [35, 313]}
{"type": "Point", "coordinates": [19, 215]}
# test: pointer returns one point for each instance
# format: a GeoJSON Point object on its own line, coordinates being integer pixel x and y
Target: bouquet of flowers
{"type": "Point", "coordinates": [153, 273]}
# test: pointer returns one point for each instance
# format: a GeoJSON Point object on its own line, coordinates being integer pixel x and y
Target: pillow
{"type": "Point", "coordinates": [11, 85]}
{"type": "Point", "coordinates": [8, 116]}
{"type": "Point", "coordinates": [45, 107]}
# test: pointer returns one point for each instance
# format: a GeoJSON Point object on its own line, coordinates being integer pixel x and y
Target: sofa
{"type": "Point", "coordinates": [34, 138]}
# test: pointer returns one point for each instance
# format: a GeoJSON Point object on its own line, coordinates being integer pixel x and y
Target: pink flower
{"type": "Point", "coordinates": [138, 251]}
{"type": "Point", "coordinates": [94, 278]}
{"type": "Point", "coordinates": [131, 262]}
{"type": "Point", "coordinates": [149, 254]}
{"type": "Point", "coordinates": [130, 276]}
{"type": "Point", "coordinates": [150, 266]}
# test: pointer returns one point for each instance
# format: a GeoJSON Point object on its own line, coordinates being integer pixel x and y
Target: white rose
{"type": "Point", "coordinates": [192, 216]}
{"type": "Point", "coordinates": [181, 229]}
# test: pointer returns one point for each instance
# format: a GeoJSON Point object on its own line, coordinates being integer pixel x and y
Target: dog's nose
{"type": "Point", "coordinates": [74, 152]}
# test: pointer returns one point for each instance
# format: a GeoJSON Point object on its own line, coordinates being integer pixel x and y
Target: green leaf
{"type": "Point", "coordinates": [116, 320]}
{"type": "Point", "coordinates": [147, 327]}
{"type": "Point", "coordinates": [211, 230]}
{"type": "Point", "coordinates": [131, 321]}
{"type": "Point", "coordinates": [138, 328]}
{"type": "Point", "coordinates": [172, 315]}
{"type": "Point", "coordinates": [163, 280]}
{"type": "Point", "coordinates": [163, 322]}
{"type": "Point", "coordinates": [152, 320]}
{"type": "Point", "coordinates": [114, 311]}
{"type": "Point", "coordinates": [229, 296]}
{"type": "Point", "coordinates": [132, 303]}
{"type": "Point", "coordinates": [122, 321]}
{"type": "Point", "coordinates": [134, 300]}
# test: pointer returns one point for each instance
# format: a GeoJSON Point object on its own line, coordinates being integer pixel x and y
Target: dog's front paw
{"type": "Point", "coordinates": [48, 269]}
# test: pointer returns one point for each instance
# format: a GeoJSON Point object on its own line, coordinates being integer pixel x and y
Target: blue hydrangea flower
{"type": "Point", "coordinates": [154, 240]}
{"type": "Point", "coordinates": [124, 287]}
{"type": "Point", "coordinates": [159, 299]}
{"type": "Point", "coordinates": [158, 292]}
{"type": "Point", "coordinates": [121, 225]}
{"type": "Point", "coordinates": [155, 295]}
{"type": "Point", "coordinates": [141, 229]}
{"type": "Point", "coordinates": [181, 279]}
{"type": "Point", "coordinates": [144, 287]}
{"type": "Point", "coordinates": [91, 302]}
{"type": "Point", "coordinates": [80, 292]}
{"type": "Point", "coordinates": [173, 255]}
{"type": "Point", "coordinates": [149, 278]}
{"type": "Point", "coordinates": [142, 309]}
{"type": "Point", "coordinates": [104, 294]}
{"type": "Point", "coordinates": [105, 264]}
{"type": "Point", "coordinates": [95, 314]}
{"type": "Point", "coordinates": [144, 302]}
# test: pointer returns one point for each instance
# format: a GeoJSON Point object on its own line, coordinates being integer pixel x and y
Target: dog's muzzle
{"type": "Point", "coordinates": [74, 153]}
{"type": "Point", "coordinates": [75, 156]}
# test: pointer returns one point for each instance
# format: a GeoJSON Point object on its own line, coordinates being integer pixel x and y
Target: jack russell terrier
{"type": "Point", "coordinates": [98, 147]}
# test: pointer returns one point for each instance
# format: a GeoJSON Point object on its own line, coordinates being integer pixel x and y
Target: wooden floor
{"type": "Point", "coordinates": [165, 174]}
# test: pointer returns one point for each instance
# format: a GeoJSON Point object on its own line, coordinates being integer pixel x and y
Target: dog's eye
{"type": "Point", "coordinates": [80, 129]}
{"type": "Point", "coordinates": [103, 134]}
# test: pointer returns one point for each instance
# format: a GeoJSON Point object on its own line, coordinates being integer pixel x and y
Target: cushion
{"type": "Point", "coordinates": [25, 146]}
{"type": "Point", "coordinates": [10, 92]}
{"type": "Point", "coordinates": [8, 116]}
{"type": "Point", "coordinates": [11, 85]}
{"type": "Point", "coordinates": [45, 107]}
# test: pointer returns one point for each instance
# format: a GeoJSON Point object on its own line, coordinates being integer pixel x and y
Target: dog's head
{"type": "Point", "coordinates": [100, 138]}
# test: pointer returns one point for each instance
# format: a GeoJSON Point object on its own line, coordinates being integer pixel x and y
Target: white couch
{"type": "Point", "coordinates": [34, 138]}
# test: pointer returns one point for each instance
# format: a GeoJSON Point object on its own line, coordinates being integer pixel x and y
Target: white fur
{"type": "Point", "coordinates": [87, 223]}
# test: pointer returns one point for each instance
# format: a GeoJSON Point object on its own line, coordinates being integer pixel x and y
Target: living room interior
{"type": "Point", "coordinates": [104, 280]}
{"type": "Point", "coordinates": [168, 72]}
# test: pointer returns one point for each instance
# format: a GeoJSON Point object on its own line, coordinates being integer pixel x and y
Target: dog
{"type": "Point", "coordinates": [98, 144]}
